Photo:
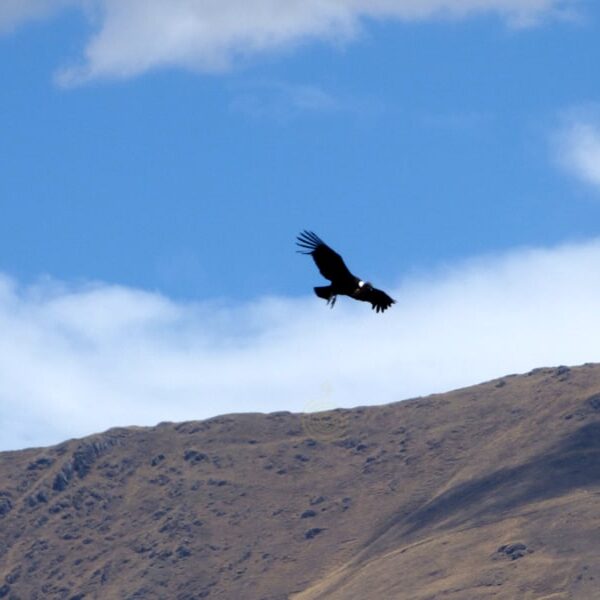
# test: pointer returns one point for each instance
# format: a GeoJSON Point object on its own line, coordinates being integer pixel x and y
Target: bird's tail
{"type": "Point", "coordinates": [326, 292]}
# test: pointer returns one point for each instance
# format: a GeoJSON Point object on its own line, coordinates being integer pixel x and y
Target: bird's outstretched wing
{"type": "Point", "coordinates": [330, 264]}
{"type": "Point", "coordinates": [379, 300]}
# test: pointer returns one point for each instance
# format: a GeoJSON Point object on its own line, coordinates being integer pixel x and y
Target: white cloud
{"type": "Point", "coordinates": [78, 360]}
{"type": "Point", "coordinates": [134, 36]}
{"type": "Point", "coordinates": [578, 145]}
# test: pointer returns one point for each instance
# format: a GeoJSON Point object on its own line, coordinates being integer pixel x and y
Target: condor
{"type": "Point", "coordinates": [332, 267]}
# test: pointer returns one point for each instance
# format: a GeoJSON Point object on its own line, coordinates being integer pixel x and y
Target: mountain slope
{"type": "Point", "coordinates": [488, 492]}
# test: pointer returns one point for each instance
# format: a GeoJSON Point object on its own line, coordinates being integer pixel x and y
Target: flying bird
{"type": "Point", "coordinates": [331, 265]}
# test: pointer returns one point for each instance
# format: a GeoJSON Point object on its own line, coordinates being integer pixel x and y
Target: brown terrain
{"type": "Point", "coordinates": [492, 491]}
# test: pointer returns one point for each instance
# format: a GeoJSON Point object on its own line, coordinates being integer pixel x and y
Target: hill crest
{"type": "Point", "coordinates": [486, 492]}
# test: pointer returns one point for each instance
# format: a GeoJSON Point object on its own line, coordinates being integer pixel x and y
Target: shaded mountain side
{"type": "Point", "coordinates": [491, 491]}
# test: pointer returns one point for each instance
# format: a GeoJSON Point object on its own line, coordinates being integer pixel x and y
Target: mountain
{"type": "Point", "coordinates": [492, 491]}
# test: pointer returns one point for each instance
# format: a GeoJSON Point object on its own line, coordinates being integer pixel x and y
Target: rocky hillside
{"type": "Point", "coordinates": [488, 492]}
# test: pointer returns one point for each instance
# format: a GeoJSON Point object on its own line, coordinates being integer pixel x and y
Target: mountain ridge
{"type": "Point", "coordinates": [490, 491]}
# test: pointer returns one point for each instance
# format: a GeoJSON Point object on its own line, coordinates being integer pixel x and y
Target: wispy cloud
{"type": "Point", "coordinates": [458, 122]}
{"type": "Point", "coordinates": [15, 12]}
{"type": "Point", "coordinates": [577, 144]}
{"type": "Point", "coordinates": [282, 101]}
{"type": "Point", "coordinates": [134, 36]}
{"type": "Point", "coordinates": [74, 360]}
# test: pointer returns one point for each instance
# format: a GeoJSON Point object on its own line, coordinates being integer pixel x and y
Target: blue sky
{"type": "Point", "coordinates": [168, 152]}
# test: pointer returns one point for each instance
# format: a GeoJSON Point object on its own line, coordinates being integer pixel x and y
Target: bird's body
{"type": "Point", "coordinates": [331, 265]}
